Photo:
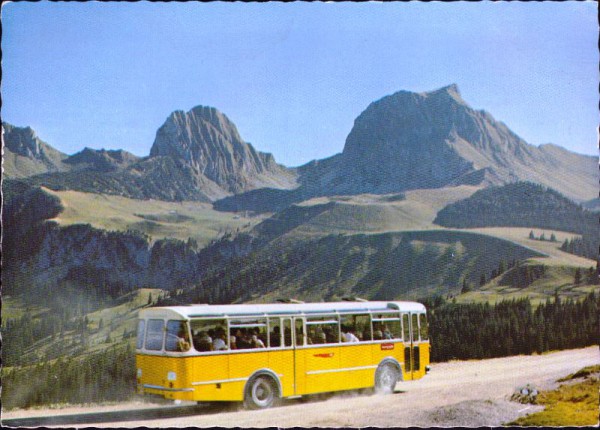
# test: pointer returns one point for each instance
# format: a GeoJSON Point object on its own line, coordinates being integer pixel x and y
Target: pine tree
{"type": "Point", "coordinates": [465, 287]}
{"type": "Point", "coordinates": [577, 276]}
{"type": "Point", "coordinates": [501, 267]}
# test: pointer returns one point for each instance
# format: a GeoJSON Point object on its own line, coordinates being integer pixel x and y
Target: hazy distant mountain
{"type": "Point", "coordinates": [431, 140]}
{"type": "Point", "coordinates": [101, 160]}
{"type": "Point", "coordinates": [197, 155]}
{"type": "Point", "coordinates": [409, 140]}
{"type": "Point", "coordinates": [24, 154]}
{"type": "Point", "coordinates": [401, 142]}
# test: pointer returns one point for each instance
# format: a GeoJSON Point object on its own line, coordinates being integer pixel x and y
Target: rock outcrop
{"type": "Point", "coordinates": [102, 160]}
{"type": "Point", "coordinates": [430, 140]}
{"type": "Point", "coordinates": [25, 154]}
{"type": "Point", "coordinates": [209, 142]}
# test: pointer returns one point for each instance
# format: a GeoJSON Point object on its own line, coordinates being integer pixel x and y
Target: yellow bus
{"type": "Point", "coordinates": [261, 353]}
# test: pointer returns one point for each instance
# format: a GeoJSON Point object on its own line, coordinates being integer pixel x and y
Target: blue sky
{"type": "Point", "coordinates": [293, 76]}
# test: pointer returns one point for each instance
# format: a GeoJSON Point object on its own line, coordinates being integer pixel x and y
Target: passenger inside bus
{"type": "Point", "coordinates": [219, 342]}
{"type": "Point", "coordinates": [255, 341]}
{"type": "Point", "coordinates": [183, 343]}
{"type": "Point", "coordinates": [202, 341]}
{"type": "Point", "coordinates": [275, 337]}
{"type": "Point", "coordinates": [348, 334]}
{"type": "Point", "coordinates": [177, 337]}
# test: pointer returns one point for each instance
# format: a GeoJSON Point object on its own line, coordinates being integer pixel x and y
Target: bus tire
{"type": "Point", "coordinates": [386, 378]}
{"type": "Point", "coordinates": [261, 393]}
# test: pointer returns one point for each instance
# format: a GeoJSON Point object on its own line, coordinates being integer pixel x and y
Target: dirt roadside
{"type": "Point", "coordinates": [462, 393]}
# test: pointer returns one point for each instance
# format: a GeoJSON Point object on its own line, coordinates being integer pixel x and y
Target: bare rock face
{"type": "Point", "coordinates": [430, 140]}
{"type": "Point", "coordinates": [209, 142]}
{"type": "Point", "coordinates": [101, 160]}
{"type": "Point", "coordinates": [25, 154]}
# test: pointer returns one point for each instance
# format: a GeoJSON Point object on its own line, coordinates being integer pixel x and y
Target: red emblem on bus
{"type": "Point", "coordinates": [328, 355]}
{"type": "Point", "coordinates": [386, 346]}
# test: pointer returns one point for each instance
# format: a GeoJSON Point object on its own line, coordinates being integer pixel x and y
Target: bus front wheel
{"type": "Point", "coordinates": [261, 393]}
{"type": "Point", "coordinates": [386, 379]}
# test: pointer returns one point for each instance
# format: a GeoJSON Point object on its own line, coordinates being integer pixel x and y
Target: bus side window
{"type": "Point", "coordinates": [248, 333]}
{"type": "Point", "coordinates": [155, 335]}
{"type": "Point", "coordinates": [363, 327]}
{"type": "Point", "coordinates": [393, 329]}
{"type": "Point", "coordinates": [322, 330]}
{"type": "Point", "coordinates": [415, 327]}
{"type": "Point", "coordinates": [406, 327]}
{"type": "Point", "coordinates": [299, 332]}
{"type": "Point", "coordinates": [387, 327]}
{"type": "Point", "coordinates": [178, 338]}
{"type": "Point", "coordinates": [275, 333]}
{"type": "Point", "coordinates": [287, 332]}
{"type": "Point", "coordinates": [423, 326]}
{"type": "Point", "coordinates": [209, 335]}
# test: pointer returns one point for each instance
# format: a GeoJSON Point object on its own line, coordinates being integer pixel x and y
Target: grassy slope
{"type": "Point", "coordinates": [197, 220]}
{"type": "Point", "coordinates": [369, 214]}
{"type": "Point", "coordinates": [118, 324]}
{"type": "Point", "coordinates": [372, 214]}
{"type": "Point", "coordinates": [560, 267]}
{"type": "Point", "coordinates": [574, 403]}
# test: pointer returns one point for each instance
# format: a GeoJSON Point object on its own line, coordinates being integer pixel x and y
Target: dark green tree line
{"type": "Point", "coordinates": [465, 331]}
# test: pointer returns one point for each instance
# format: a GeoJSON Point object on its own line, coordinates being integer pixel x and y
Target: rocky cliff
{"type": "Point", "coordinates": [209, 142]}
{"type": "Point", "coordinates": [429, 140]}
{"type": "Point", "coordinates": [25, 154]}
{"type": "Point", "coordinates": [197, 155]}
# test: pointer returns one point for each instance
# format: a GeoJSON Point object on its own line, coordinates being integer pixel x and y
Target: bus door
{"type": "Point", "coordinates": [290, 355]}
{"type": "Point", "coordinates": [298, 339]}
{"type": "Point", "coordinates": [416, 349]}
{"type": "Point", "coordinates": [412, 355]}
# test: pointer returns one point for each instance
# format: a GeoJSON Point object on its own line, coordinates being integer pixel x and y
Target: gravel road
{"type": "Point", "coordinates": [471, 393]}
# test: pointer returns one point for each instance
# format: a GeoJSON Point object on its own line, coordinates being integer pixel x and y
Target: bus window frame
{"type": "Point", "coordinates": [361, 313]}
{"type": "Point", "coordinates": [163, 331]}
{"type": "Point", "coordinates": [264, 324]}
{"type": "Point", "coordinates": [188, 333]}
{"type": "Point", "coordinates": [417, 338]}
{"type": "Point", "coordinates": [191, 334]}
{"type": "Point", "coordinates": [326, 318]}
{"type": "Point", "coordinates": [376, 317]}
{"type": "Point", "coordinates": [303, 333]}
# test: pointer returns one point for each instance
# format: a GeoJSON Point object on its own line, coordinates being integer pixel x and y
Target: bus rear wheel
{"type": "Point", "coordinates": [386, 379]}
{"type": "Point", "coordinates": [261, 393]}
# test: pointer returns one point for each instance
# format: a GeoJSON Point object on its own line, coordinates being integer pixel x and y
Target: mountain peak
{"type": "Point", "coordinates": [449, 92]}
{"type": "Point", "coordinates": [208, 141]}
{"type": "Point", "coordinates": [26, 154]}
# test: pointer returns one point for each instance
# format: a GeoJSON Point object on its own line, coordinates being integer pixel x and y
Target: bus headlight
{"type": "Point", "coordinates": [171, 376]}
{"type": "Point", "coordinates": [139, 373]}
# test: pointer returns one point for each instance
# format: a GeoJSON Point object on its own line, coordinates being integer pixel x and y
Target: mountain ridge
{"type": "Point", "coordinates": [402, 141]}
{"type": "Point", "coordinates": [429, 140]}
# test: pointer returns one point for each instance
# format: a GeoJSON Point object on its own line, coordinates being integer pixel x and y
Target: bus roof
{"type": "Point", "coordinates": [198, 311]}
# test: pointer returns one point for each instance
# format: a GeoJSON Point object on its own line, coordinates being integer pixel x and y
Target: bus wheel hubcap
{"type": "Point", "coordinates": [387, 379]}
{"type": "Point", "coordinates": [262, 392]}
